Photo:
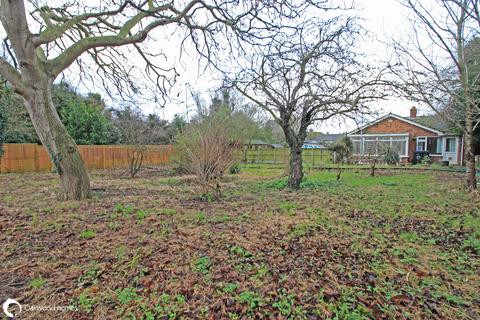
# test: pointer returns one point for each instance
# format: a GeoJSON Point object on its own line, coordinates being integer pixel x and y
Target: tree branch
{"type": "Point", "coordinates": [12, 76]}
{"type": "Point", "coordinates": [66, 58]}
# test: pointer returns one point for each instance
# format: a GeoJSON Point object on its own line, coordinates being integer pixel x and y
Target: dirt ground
{"type": "Point", "coordinates": [401, 245]}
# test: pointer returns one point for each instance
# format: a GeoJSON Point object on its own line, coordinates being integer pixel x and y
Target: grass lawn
{"type": "Point", "coordinates": [402, 245]}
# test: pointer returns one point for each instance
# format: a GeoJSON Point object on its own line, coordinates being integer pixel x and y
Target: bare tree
{"type": "Point", "coordinates": [135, 134]}
{"type": "Point", "coordinates": [308, 75]}
{"type": "Point", "coordinates": [376, 153]}
{"type": "Point", "coordinates": [38, 50]}
{"type": "Point", "coordinates": [439, 65]}
{"type": "Point", "coordinates": [136, 153]}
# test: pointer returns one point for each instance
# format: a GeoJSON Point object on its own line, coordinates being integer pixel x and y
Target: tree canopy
{"type": "Point", "coordinates": [85, 123]}
{"type": "Point", "coordinates": [306, 75]}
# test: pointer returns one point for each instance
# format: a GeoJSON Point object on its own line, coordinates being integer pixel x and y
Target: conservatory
{"type": "Point", "coordinates": [374, 144]}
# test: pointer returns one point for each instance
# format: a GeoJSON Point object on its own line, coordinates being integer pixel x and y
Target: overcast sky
{"type": "Point", "coordinates": [382, 19]}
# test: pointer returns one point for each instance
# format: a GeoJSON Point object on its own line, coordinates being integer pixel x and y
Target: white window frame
{"type": "Point", "coordinates": [446, 144]}
{"type": "Point", "coordinates": [425, 140]}
{"type": "Point", "coordinates": [393, 137]}
{"type": "Point", "coordinates": [421, 139]}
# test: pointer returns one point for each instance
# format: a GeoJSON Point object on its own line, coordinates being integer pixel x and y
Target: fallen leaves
{"type": "Point", "coordinates": [324, 258]}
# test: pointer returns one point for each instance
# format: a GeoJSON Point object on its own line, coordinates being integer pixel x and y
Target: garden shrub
{"type": "Point", "coordinates": [206, 150]}
{"type": "Point", "coordinates": [391, 156]}
{"type": "Point", "coordinates": [426, 160]}
{"type": "Point", "coordinates": [235, 168]}
{"type": "Point", "coordinates": [343, 148]}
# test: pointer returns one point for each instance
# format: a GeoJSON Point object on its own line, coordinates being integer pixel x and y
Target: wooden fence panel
{"type": "Point", "coordinates": [43, 162]}
{"type": "Point", "coordinates": [21, 158]}
{"type": "Point", "coordinates": [108, 157]}
{"type": "Point", "coordinates": [282, 156]}
{"type": "Point", "coordinates": [35, 158]}
{"type": "Point", "coordinates": [32, 157]}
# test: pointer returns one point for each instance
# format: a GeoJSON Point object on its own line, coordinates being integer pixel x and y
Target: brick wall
{"type": "Point", "coordinates": [393, 125]}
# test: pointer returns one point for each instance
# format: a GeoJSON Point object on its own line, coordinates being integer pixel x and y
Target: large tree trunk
{"type": "Point", "coordinates": [33, 82]}
{"type": "Point", "coordinates": [75, 183]}
{"type": "Point", "coordinates": [296, 167]}
{"type": "Point", "coordinates": [469, 154]}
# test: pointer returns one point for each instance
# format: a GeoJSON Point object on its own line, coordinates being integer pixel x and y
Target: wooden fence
{"type": "Point", "coordinates": [282, 155]}
{"type": "Point", "coordinates": [33, 158]}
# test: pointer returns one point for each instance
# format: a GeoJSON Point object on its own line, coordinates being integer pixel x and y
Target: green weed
{"type": "Point", "coordinates": [252, 299]}
{"type": "Point", "coordinates": [472, 243]}
{"type": "Point", "coordinates": [38, 283]}
{"type": "Point", "coordinates": [141, 214]}
{"type": "Point", "coordinates": [127, 295]}
{"type": "Point", "coordinates": [86, 302]}
{"type": "Point", "coordinates": [285, 304]}
{"type": "Point", "coordinates": [124, 209]}
{"type": "Point", "coordinates": [203, 265]}
{"type": "Point", "coordinates": [241, 252]}
{"type": "Point", "coordinates": [230, 287]}
{"type": "Point", "coordinates": [87, 234]}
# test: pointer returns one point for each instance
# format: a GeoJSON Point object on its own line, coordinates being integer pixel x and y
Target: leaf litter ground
{"type": "Point", "coordinates": [397, 246]}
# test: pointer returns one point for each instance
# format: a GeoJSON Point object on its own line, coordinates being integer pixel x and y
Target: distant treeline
{"type": "Point", "coordinates": [88, 120]}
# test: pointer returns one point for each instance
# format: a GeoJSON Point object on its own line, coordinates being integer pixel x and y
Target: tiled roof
{"type": "Point", "coordinates": [433, 121]}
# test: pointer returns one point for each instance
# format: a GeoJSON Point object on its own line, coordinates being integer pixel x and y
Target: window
{"type": "Point", "coordinates": [421, 144]}
{"type": "Point", "coordinates": [429, 144]}
{"type": "Point", "coordinates": [357, 146]}
{"type": "Point", "coordinates": [375, 144]}
{"type": "Point", "coordinates": [400, 146]}
{"type": "Point", "coordinates": [370, 145]}
{"type": "Point", "coordinates": [450, 145]}
{"type": "Point", "coordinates": [432, 145]}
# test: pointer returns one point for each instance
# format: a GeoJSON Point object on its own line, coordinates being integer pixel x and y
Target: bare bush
{"type": "Point", "coordinates": [136, 154]}
{"type": "Point", "coordinates": [138, 132]}
{"type": "Point", "coordinates": [206, 150]}
{"type": "Point", "coordinates": [379, 153]}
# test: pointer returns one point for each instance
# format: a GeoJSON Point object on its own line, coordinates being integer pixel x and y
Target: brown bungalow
{"type": "Point", "coordinates": [409, 134]}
